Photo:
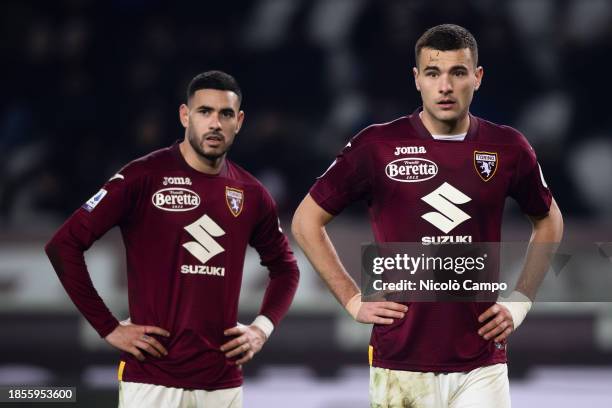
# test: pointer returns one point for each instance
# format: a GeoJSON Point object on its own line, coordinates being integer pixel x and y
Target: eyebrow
{"type": "Point", "coordinates": [453, 68]}
{"type": "Point", "coordinates": [206, 107]}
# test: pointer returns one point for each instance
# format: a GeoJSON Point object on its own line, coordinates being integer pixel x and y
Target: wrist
{"type": "Point", "coordinates": [353, 305]}
{"type": "Point", "coordinates": [264, 324]}
{"type": "Point", "coordinates": [518, 305]}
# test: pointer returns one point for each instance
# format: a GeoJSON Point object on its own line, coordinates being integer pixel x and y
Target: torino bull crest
{"type": "Point", "coordinates": [234, 199]}
{"type": "Point", "coordinates": [485, 164]}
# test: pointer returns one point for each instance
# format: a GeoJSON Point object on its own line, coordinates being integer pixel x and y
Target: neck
{"type": "Point", "coordinates": [198, 162]}
{"type": "Point", "coordinates": [437, 127]}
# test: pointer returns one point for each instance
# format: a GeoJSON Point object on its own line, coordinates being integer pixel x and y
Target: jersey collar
{"type": "Point", "coordinates": [423, 133]}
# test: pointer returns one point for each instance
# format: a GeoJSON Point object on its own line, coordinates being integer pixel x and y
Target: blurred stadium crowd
{"type": "Point", "coordinates": [89, 86]}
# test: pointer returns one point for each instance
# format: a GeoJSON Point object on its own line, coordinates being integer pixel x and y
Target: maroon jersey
{"type": "Point", "coordinates": [185, 235]}
{"type": "Point", "coordinates": [429, 191]}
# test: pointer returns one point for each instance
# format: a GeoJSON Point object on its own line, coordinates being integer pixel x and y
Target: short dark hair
{"type": "Point", "coordinates": [447, 37]}
{"type": "Point", "coordinates": [214, 80]}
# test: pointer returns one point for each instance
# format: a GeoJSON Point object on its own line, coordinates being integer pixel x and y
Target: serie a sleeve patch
{"type": "Point", "coordinates": [95, 200]}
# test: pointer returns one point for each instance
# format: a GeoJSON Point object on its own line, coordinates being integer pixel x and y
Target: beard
{"type": "Point", "coordinates": [197, 146]}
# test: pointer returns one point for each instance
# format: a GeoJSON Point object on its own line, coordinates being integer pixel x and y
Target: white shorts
{"type": "Point", "coordinates": [483, 387]}
{"type": "Point", "coordinates": [138, 395]}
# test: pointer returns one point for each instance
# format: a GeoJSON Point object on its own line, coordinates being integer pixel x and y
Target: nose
{"type": "Point", "coordinates": [215, 123]}
{"type": "Point", "coordinates": [445, 85]}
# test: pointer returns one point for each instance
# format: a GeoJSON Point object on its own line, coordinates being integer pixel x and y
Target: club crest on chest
{"type": "Point", "coordinates": [485, 164]}
{"type": "Point", "coordinates": [234, 199]}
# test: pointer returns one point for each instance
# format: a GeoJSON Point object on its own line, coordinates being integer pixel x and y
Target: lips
{"type": "Point", "coordinates": [217, 138]}
{"type": "Point", "coordinates": [446, 103]}
{"type": "Point", "coordinates": [214, 140]}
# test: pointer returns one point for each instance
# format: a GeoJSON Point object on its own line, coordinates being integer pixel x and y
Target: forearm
{"type": "Point", "coordinates": [284, 277]}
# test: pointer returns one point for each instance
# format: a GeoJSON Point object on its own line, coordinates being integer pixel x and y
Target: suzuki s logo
{"type": "Point", "coordinates": [443, 199]}
{"type": "Point", "coordinates": [204, 247]}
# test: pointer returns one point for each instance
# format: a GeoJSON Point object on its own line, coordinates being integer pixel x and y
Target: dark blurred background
{"type": "Point", "coordinates": [89, 86]}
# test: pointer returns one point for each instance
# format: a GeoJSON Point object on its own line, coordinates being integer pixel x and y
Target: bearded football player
{"type": "Point", "coordinates": [186, 215]}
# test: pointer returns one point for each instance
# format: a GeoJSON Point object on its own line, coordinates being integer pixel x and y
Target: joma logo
{"type": "Point", "coordinates": [182, 181]}
{"type": "Point", "coordinates": [409, 150]}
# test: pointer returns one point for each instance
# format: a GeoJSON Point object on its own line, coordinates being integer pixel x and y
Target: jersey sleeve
{"type": "Point", "coordinates": [528, 186]}
{"type": "Point", "coordinates": [348, 178]}
{"type": "Point", "coordinates": [273, 248]}
{"type": "Point", "coordinates": [109, 207]}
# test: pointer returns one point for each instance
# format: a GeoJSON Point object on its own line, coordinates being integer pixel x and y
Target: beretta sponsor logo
{"type": "Point", "coordinates": [411, 170]}
{"type": "Point", "coordinates": [175, 199]}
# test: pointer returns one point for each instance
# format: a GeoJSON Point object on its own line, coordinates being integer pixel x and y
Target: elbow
{"type": "Point", "coordinates": [296, 227]}
{"type": "Point", "coordinates": [57, 249]}
{"type": "Point", "coordinates": [53, 251]}
{"type": "Point", "coordinates": [56, 244]}
{"type": "Point", "coordinates": [51, 248]}
{"type": "Point", "coordinates": [557, 219]}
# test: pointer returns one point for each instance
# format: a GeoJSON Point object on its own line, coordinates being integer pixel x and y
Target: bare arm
{"type": "Point", "coordinates": [505, 317]}
{"type": "Point", "coordinates": [548, 228]}
{"type": "Point", "coordinates": [546, 235]}
{"type": "Point", "coordinates": [308, 228]}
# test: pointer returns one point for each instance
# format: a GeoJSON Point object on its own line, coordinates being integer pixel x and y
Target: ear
{"type": "Point", "coordinates": [479, 75]}
{"type": "Point", "coordinates": [184, 115]}
{"type": "Point", "coordinates": [240, 120]}
{"type": "Point", "coordinates": [415, 72]}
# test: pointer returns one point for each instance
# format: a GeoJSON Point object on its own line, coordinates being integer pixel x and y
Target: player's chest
{"type": "Point", "coordinates": [183, 204]}
{"type": "Point", "coordinates": [413, 171]}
